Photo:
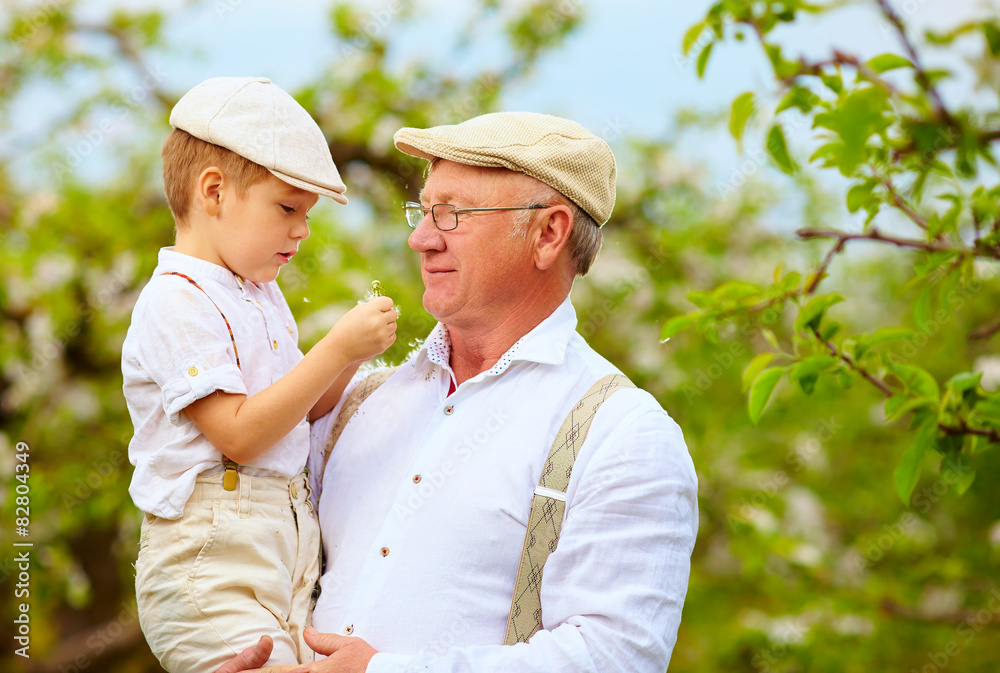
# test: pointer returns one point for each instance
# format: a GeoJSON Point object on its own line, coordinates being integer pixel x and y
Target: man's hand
{"type": "Point", "coordinates": [253, 657]}
{"type": "Point", "coordinates": [347, 655]}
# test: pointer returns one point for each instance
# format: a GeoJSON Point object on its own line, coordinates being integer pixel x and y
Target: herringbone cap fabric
{"type": "Point", "coordinates": [259, 121]}
{"type": "Point", "coordinates": [559, 152]}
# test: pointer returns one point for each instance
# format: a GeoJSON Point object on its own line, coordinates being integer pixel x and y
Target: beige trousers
{"type": "Point", "coordinates": [238, 564]}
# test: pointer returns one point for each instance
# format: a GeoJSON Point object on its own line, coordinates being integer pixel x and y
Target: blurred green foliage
{"type": "Point", "coordinates": [806, 559]}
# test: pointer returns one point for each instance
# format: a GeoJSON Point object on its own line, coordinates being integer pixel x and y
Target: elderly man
{"type": "Point", "coordinates": [428, 494]}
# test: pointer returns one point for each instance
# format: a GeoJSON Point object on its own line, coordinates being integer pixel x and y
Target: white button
{"type": "Point", "coordinates": [349, 630]}
{"type": "Point", "coordinates": [448, 410]}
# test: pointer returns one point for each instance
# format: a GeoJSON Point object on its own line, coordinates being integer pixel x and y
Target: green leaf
{"type": "Point", "coordinates": [988, 409]}
{"type": "Point", "coordinates": [755, 367]}
{"type": "Point", "coordinates": [760, 391]}
{"type": "Point", "coordinates": [811, 314]}
{"type": "Point", "coordinates": [964, 381]}
{"type": "Point", "coordinates": [691, 36]}
{"type": "Point", "coordinates": [964, 481]}
{"type": "Point", "coordinates": [886, 62]}
{"type": "Point", "coordinates": [778, 149]}
{"type": "Point", "coordinates": [887, 334]}
{"type": "Point", "coordinates": [798, 97]}
{"type": "Point", "coordinates": [857, 117]}
{"type": "Point", "coordinates": [770, 338]}
{"type": "Point", "coordinates": [946, 444]}
{"type": "Point", "coordinates": [907, 472]}
{"type": "Point", "coordinates": [833, 82]}
{"type": "Point", "coordinates": [829, 329]}
{"type": "Point", "coordinates": [742, 110]}
{"type": "Point", "coordinates": [828, 154]}
{"type": "Point", "coordinates": [859, 194]}
{"type": "Point", "coordinates": [917, 380]}
{"type": "Point", "coordinates": [703, 59]}
{"type": "Point", "coordinates": [678, 324]}
{"type": "Point", "coordinates": [807, 371]}
{"type": "Point", "coordinates": [735, 290]}
{"type": "Point", "coordinates": [992, 34]}
{"type": "Point", "coordinates": [898, 405]}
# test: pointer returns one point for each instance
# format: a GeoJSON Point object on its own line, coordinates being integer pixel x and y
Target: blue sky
{"type": "Point", "coordinates": [621, 75]}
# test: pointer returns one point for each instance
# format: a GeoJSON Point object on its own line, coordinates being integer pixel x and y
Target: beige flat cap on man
{"type": "Point", "coordinates": [560, 153]}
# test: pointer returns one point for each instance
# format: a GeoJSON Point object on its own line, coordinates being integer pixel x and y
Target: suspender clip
{"type": "Point", "coordinates": [231, 476]}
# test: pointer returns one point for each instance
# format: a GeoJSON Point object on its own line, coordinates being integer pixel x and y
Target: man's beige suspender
{"type": "Point", "coordinates": [350, 407]}
{"type": "Point", "coordinates": [547, 505]}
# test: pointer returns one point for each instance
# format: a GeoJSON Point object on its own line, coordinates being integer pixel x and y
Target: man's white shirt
{"type": "Point", "coordinates": [424, 504]}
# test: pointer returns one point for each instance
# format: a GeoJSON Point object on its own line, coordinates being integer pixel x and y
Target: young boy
{"type": "Point", "coordinates": [218, 390]}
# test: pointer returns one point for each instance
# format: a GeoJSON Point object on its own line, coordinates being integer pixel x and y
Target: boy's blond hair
{"type": "Point", "coordinates": [185, 157]}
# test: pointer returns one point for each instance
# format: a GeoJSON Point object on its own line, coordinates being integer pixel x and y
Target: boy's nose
{"type": "Point", "coordinates": [301, 230]}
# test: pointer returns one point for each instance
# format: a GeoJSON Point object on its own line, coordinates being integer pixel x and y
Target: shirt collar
{"type": "Point", "coordinates": [545, 344]}
{"type": "Point", "coordinates": [170, 260]}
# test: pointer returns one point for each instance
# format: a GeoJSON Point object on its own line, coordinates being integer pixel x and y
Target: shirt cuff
{"type": "Point", "coordinates": [384, 662]}
{"type": "Point", "coordinates": [197, 381]}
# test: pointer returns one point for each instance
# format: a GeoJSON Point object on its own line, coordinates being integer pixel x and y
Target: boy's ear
{"type": "Point", "coordinates": [208, 190]}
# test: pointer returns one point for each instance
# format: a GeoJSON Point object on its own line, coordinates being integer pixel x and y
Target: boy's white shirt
{"type": "Point", "coordinates": [178, 350]}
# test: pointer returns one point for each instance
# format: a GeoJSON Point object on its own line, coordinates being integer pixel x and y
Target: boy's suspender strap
{"type": "Point", "coordinates": [229, 478]}
{"type": "Point", "coordinates": [547, 508]}
{"type": "Point", "coordinates": [191, 280]}
{"type": "Point", "coordinates": [350, 407]}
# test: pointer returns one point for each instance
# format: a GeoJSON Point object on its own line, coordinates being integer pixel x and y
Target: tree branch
{"type": "Point", "coordinates": [958, 616]}
{"type": "Point", "coordinates": [953, 138]}
{"type": "Point", "coordinates": [903, 205]}
{"type": "Point", "coordinates": [921, 75]}
{"type": "Point", "coordinates": [131, 53]}
{"type": "Point", "coordinates": [992, 252]}
{"type": "Point", "coordinates": [818, 276]}
{"type": "Point", "coordinates": [881, 385]}
{"type": "Point", "coordinates": [963, 429]}
{"type": "Point", "coordinates": [815, 69]}
{"type": "Point", "coordinates": [392, 166]}
{"type": "Point", "coordinates": [986, 331]}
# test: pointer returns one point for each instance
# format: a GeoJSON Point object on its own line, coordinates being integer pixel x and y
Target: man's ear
{"type": "Point", "coordinates": [208, 190]}
{"type": "Point", "coordinates": [551, 235]}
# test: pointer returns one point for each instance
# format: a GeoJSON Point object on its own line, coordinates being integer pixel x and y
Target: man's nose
{"type": "Point", "coordinates": [426, 236]}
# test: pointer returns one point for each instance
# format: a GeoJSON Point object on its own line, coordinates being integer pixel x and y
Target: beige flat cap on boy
{"type": "Point", "coordinates": [560, 153]}
{"type": "Point", "coordinates": [259, 121]}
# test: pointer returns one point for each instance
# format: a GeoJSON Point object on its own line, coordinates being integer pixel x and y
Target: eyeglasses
{"type": "Point", "coordinates": [445, 215]}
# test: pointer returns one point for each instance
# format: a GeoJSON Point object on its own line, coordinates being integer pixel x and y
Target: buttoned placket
{"type": "Point", "coordinates": [247, 297]}
{"type": "Point", "coordinates": [382, 545]}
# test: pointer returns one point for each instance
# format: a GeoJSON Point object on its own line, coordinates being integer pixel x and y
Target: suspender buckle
{"type": "Point", "coordinates": [231, 476]}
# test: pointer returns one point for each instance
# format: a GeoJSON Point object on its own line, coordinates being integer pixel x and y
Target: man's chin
{"type": "Point", "coordinates": [436, 307]}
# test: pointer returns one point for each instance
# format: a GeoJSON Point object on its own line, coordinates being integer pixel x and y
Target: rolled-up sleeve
{"type": "Point", "coordinates": [185, 347]}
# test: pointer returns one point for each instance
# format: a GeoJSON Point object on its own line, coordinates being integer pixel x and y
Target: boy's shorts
{"type": "Point", "coordinates": [238, 564]}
